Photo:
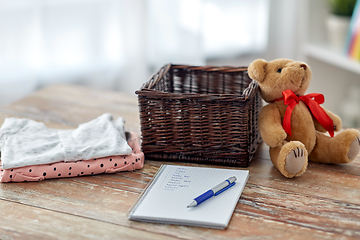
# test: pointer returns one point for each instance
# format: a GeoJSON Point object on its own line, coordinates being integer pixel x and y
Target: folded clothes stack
{"type": "Point", "coordinates": [32, 152]}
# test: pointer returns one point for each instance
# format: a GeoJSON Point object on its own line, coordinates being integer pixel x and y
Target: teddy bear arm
{"type": "Point", "coordinates": [270, 127]}
{"type": "Point", "coordinates": [335, 118]}
{"type": "Point", "coordinates": [318, 126]}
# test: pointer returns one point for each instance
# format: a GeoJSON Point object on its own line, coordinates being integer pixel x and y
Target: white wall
{"type": "Point", "coordinates": [283, 30]}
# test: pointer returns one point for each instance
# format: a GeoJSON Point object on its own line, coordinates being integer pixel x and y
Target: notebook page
{"type": "Point", "coordinates": [176, 186]}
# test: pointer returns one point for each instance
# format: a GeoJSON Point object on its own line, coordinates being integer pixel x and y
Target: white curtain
{"type": "Point", "coordinates": [117, 44]}
{"type": "Point", "coordinates": [191, 31]}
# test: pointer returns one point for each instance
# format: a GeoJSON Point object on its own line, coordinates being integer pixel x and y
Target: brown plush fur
{"type": "Point", "coordinates": [290, 154]}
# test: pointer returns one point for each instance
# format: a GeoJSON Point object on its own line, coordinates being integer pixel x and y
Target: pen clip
{"type": "Point", "coordinates": [225, 188]}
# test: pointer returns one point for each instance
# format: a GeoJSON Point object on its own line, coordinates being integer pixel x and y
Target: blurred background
{"type": "Point", "coordinates": [118, 44]}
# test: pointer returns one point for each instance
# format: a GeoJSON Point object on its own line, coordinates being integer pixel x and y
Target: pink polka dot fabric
{"type": "Point", "coordinates": [110, 164]}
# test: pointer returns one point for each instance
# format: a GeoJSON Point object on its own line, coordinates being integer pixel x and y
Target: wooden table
{"type": "Point", "coordinates": [324, 203]}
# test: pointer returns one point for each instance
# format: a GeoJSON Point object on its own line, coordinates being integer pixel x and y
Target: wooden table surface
{"type": "Point", "coordinates": [324, 203]}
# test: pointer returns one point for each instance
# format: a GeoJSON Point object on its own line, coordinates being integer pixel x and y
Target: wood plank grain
{"type": "Point", "coordinates": [329, 214]}
{"type": "Point", "coordinates": [19, 221]}
{"type": "Point", "coordinates": [304, 211]}
{"type": "Point", "coordinates": [317, 181]}
{"type": "Point", "coordinates": [110, 205]}
{"type": "Point", "coordinates": [282, 210]}
{"type": "Point", "coordinates": [70, 105]}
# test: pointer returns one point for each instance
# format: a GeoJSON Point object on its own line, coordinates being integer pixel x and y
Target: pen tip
{"type": "Point", "coordinates": [192, 204]}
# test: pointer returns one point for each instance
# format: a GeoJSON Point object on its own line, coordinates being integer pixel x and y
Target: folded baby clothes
{"type": "Point", "coordinates": [25, 142]}
{"type": "Point", "coordinates": [109, 164]}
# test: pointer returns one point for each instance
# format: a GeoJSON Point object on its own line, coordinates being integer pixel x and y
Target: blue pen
{"type": "Point", "coordinates": [213, 191]}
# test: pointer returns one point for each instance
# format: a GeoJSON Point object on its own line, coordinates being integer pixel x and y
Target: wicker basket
{"type": "Point", "coordinates": [200, 114]}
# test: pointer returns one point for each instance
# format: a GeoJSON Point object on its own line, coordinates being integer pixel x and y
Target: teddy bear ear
{"type": "Point", "coordinates": [256, 70]}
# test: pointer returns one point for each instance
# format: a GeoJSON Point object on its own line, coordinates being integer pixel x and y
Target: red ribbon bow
{"type": "Point", "coordinates": [313, 101]}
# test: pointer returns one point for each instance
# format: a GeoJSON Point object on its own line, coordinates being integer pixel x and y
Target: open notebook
{"type": "Point", "coordinates": [166, 197]}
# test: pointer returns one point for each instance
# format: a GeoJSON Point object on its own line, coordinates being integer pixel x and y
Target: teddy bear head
{"type": "Point", "coordinates": [279, 75]}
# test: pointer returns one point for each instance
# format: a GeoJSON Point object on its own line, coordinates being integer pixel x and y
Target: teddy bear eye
{"type": "Point", "coordinates": [279, 70]}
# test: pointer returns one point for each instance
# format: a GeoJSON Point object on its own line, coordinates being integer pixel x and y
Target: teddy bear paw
{"type": "Point", "coordinates": [295, 160]}
{"type": "Point", "coordinates": [354, 149]}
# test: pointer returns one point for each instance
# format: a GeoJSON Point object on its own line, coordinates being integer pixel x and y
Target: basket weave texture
{"type": "Point", "coordinates": [200, 114]}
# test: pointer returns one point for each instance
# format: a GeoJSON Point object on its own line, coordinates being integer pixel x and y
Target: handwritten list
{"type": "Point", "coordinates": [175, 180]}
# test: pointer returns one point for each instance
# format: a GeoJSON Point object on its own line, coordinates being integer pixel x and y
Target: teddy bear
{"type": "Point", "coordinates": [294, 126]}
